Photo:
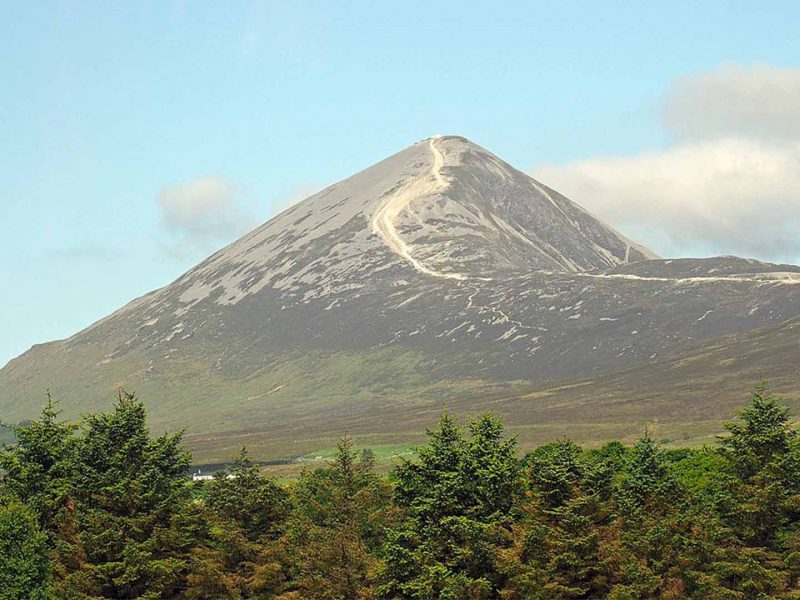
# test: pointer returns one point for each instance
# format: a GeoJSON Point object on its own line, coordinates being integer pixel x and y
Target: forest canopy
{"type": "Point", "coordinates": [104, 509]}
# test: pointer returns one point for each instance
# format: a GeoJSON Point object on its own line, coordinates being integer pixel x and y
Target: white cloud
{"type": "Point", "coordinates": [754, 101]}
{"type": "Point", "coordinates": [731, 185]}
{"type": "Point", "coordinates": [204, 212]}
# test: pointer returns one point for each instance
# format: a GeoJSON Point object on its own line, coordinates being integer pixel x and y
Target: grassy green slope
{"type": "Point", "coordinates": [299, 405]}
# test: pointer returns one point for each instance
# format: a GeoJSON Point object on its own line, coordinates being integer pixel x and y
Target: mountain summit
{"type": "Point", "coordinates": [439, 274]}
{"type": "Point", "coordinates": [444, 208]}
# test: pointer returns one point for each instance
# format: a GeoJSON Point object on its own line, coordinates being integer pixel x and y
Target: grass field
{"type": "Point", "coordinates": [381, 453]}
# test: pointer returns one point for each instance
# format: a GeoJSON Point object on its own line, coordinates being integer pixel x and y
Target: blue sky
{"type": "Point", "coordinates": [108, 110]}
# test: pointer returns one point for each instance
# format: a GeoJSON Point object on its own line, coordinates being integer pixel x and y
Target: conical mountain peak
{"type": "Point", "coordinates": [444, 207]}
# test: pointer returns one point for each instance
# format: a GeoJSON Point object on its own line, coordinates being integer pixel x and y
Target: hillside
{"type": "Point", "coordinates": [441, 274]}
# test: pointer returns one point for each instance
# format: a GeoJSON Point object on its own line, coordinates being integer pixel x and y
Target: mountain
{"type": "Point", "coordinates": [439, 275]}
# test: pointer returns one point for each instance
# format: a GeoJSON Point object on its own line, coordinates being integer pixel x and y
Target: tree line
{"type": "Point", "coordinates": [104, 509]}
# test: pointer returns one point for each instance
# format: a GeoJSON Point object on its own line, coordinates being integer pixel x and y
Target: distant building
{"type": "Point", "coordinates": [200, 476]}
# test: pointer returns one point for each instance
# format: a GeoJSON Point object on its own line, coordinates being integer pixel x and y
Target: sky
{"type": "Point", "coordinates": [137, 138]}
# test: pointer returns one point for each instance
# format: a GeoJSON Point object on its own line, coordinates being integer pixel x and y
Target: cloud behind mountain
{"type": "Point", "coordinates": [203, 213]}
{"type": "Point", "coordinates": [728, 184]}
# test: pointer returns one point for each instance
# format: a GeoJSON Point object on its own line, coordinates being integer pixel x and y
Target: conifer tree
{"type": "Point", "coordinates": [457, 500]}
{"type": "Point", "coordinates": [39, 468]}
{"type": "Point", "coordinates": [241, 557]}
{"type": "Point", "coordinates": [24, 567]}
{"type": "Point", "coordinates": [648, 482]}
{"type": "Point", "coordinates": [244, 497]}
{"type": "Point", "coordinates": [648, 499]}
{"type": "Point", "coordinates": [557, 540]}
{"type": "Point", "coordinates": [132, 506]}
{"type": "Point", "coordinates": [759, 494]}
{"type": "Point", "coordinates": [340, 520]}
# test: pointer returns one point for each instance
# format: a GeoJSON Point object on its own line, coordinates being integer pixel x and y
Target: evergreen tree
{"type": "Point", "coordinates": [39, 468]}
{"type": "Point", "coordinates": [253, 503]}
{"type": "Point", "coordinates": [457, 499]}
{"type": "Point", "coordinates": [649, 526]}
{"type": "Point", "coordinates": [648, 482]}
{"type": "Point", "coordinates": [340, 520]}
{"type": "Point", "coordinates": [24, 567]}
{"type": "Point", "coordinates": [761, 434]}
{"type": "Point", "coordinates": [557, 540]}
{"type": "Point", "coordinates": [241, 556]}
{"type": "Point", "coordinates": [137, 525]}
{"type": "Point", "coordinates": [758, 497]}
